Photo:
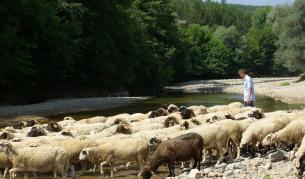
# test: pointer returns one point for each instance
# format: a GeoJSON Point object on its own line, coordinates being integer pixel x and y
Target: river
{"type": "Point", "coordinates": [266, 103]}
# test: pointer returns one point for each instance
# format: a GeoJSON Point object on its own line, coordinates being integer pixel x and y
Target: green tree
{"type": "Point", "coordinates": [289, 24]}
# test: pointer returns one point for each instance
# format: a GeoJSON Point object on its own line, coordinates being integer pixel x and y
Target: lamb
{"type": "Point", "coordinates": [96, 119]}
{"type": "Point", "coordinates": [291, 134]}
{"type": "Point", "coordinates": [183, 148]}
{"type": "Point", "coordinates": [299, 159]}
{"type": "Point", "coordinates": [127, 150]}
{"type": "Point", "coordinates": [29, 159]}
{"type": "Point", "coordinates": [214, 137]}
{"type": "Point", "coordinates": [172, 108]}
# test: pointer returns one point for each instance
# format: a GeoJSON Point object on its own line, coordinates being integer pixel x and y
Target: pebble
{"type": "Point", "coordinates": [222, 165]}
{"type": "Point", "coordinates": [241, 166]}
{"type": "Point", "coordinates": [207, 171]}
{"type": "Point", "coordinates": [194, 174]}
{"type": "Point", "coordinates": [230, 166]}
{"type": "Point", "coordinates": [276, 156]}
{"type": "Point", "coordinates": [227, 173]}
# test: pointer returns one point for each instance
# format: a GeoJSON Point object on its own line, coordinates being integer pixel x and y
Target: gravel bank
{"type": "Point", "coordinates": [61, 106]}
{"type": "Point", "coordinates": [272, 87]}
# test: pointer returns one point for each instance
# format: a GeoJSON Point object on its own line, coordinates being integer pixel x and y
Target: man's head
{"type": "Point", "coordinates": [242, 73]}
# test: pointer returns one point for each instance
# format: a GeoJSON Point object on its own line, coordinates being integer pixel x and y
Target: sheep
{"type": "Point", "coordinates": [29, 160]}
{"type": "Point", "coordinates": [157, 113]}
{"type": "Point", "coordinates": [214, 137]}
{"type": "Point", "coordinates": [291, 134]}
{"type": "Point", "coordinates": [137, 117]}
{"type": "Point", "coordinates": [5, 163]}
{"type": "Point", "coordinates": [96, 119]}
{"type": "Point", "coordinates": [235, 132]}
{"type": "Point", "coordinates": [199, 110]}
{"type": "Point", "coordinates": [54, 127]}
{"type": "Point", "coordinates": [182, 148]}
{"type": "Point", "coordinates": [258, 130]}
{"type": "Point", "coordinates": [127, 150]}
{"type": "Point", "coordinates": [299, 158]}
{"type": "Point", "coordinates": [119, 128]}
{"type": "Point", "coordinates": [186, 113]}
{"type": "Point", "coordinates": [36, 131]}
{"type": "Point", "coordinates": [172, 108]}
{"type": "Point", "coordinates": [6, 135]}
{"type": "Point", "coordinates": [85, 129]}
{"type": "Point", "coordinates": [138, 126]}
{"type": "Point", "coordinates": [68, 120]}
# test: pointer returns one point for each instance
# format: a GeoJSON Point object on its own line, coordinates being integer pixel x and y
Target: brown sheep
{"type": "Point", "coordinates": [182, 148]}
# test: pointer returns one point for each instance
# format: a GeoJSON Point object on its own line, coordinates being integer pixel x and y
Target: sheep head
{"type": "Point", "coordinates": [54, 127]}
{"type": "Point", "coordinates": [187, 113]}
{"type": "Point", "coordinates": [172, 108]}
{"type": "Point", "coordinates": [19, 125]}
{"type": "Point", "coordinates": [269, 139]}
{"type": "Point", "coordinates": [6, 147]}
{"type": "Point", "coordinates": [185, 124]}
{"type": "Point", "coordinates": [36, 131]}
{"type": "Point", "coordinates": [196, 122]}
{"type": "Point", "coordinates": [6, 135]}
{"type": "Point", "coordinates": [257, 114]}
{"type": "Point", "coordinates": [153, 144]}
{"type": "Point", "coordinates": [145, 172]}
{"type": "Point", "coordinates": [69, 118]}
{"type": "Point", "coordinates": [84, 154]}
{"type": "Point", "coordinates": [32, 122]}
{"type": "Point", "coordinates": [124, 129]}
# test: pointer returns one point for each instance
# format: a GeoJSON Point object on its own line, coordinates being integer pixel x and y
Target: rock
{"type": "Point", "coordinates": [237, 171]}
{"type": "Point", "coordinates": [213, 174]}
{"type": "Point", "coordinates": [267, 166]}
{"type": "Point", "coordinates": [206, 171]}
{"type": "Point", "coordinates": [276, 156]}
{"type": "Point", "coordinates": [231, 166]}
{"type": "Point", "coordinates": [227, 173]}
{"type": "Point", "coordinates": [222, 165]}
{"type": "Point", "coordinates": [241, 166]}
{"type": "Point", "coordinates": [195, 174]}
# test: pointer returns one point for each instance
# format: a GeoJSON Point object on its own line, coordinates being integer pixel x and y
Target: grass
{"type": "Point", "coordinates": [284, 83]}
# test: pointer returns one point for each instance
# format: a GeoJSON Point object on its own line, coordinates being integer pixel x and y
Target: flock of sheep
{"type": "Point", "coordinates": [164, 136]}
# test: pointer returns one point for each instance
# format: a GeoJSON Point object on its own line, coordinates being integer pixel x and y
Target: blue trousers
{"type": "Point", "coordinates": [249, 105]}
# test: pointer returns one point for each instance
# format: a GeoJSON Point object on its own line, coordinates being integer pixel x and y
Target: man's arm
{"type": "Point", "coordinates": [249, 95]}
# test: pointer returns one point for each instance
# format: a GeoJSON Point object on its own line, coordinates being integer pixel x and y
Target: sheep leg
{"type": "Point", "coordinates": [127, 165]}
{"type": "Point", "coordinates": [221, 153]}
{"type": "Point", "coordinates": [182, 165]}
{"type": "Point", "coordinates": [72, 171]}
{"type": "Point", "coordinates": [171, 167]}
{"type": "Point", "coordinates": [101, 166]}
{"type": "Point", "coordinates": [55, 174]}
{"type": "Point", "coordinates": [194, 164]}
{"type": "Point", "coordinates": [238, 152]}
{"type": "Point", "coordinates": [26, 176]}
{"type": "Point", "coordinates": [204, 156]}
{"type": "Point", "coordinates": [94, 168]}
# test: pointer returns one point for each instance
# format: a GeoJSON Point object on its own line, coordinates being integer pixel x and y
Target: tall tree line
{"type": "Point", "coordinates": [137, 46]}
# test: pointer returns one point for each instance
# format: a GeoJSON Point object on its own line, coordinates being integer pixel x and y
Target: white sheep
{"type": "Point", "coordinates": [172, 108]}
{"type": "Point", "coordinates": [96, 119]}
{"type": "Point", "coordinates": [199, 110]}
{"type": "Point", "coordinates": [127, 150]}
{"type": "Point", "coordinates": [38, 159]}
{"type": "Point", "coordinates": [291, 134]}
{"type": "Point", "coordinates": [5, 163]}
{"type": "Point", "coordinates": [214, 137]}
{"type": "Point", "coordinates": [299, 158]}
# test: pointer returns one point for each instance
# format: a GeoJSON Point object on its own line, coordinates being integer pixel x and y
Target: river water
{"type": "Point", "coordinates": [267, 103]}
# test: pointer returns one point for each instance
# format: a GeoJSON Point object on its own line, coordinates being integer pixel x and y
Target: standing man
{"type": "Point", "coordinates": [249, 96]}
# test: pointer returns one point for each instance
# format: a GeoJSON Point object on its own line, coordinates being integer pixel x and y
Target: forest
{"type": "Point", "coordinates": [60, 48]}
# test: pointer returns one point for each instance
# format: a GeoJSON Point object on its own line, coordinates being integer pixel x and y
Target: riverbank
{"type": "Point", "coordinates": [63, 106]}
{"type": "Point", "coordinates": [284, 89]}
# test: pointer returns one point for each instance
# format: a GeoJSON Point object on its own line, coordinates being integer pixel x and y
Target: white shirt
{"type": "Point", "coordinates": [248, 83]}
